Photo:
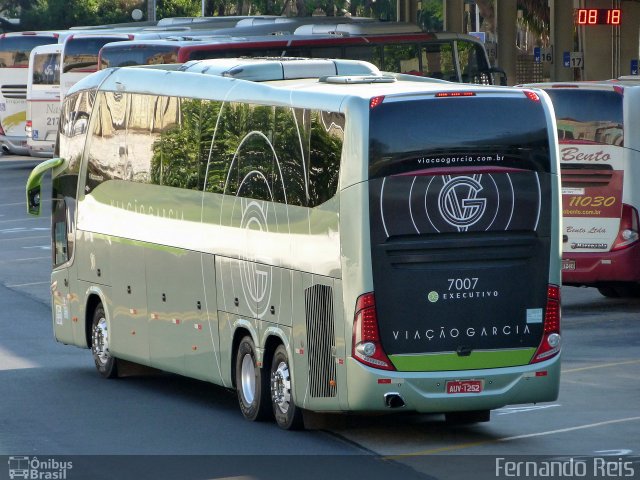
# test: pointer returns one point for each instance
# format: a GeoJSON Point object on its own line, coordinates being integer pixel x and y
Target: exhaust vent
{"type": "Point", "coordinates": [318, 301]}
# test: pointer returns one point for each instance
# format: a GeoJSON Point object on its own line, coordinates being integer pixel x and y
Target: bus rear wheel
{"type": "Point", "coordinates": [106, 364]}
{"type": "Point", "coordinates": [285, 411]}
{"type": "Point", "coordinates": [252, 383]}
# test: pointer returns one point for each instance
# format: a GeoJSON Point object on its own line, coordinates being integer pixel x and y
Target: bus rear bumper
{"type": "Point", "coordinates": [594, 268]}
{"type": "Point", "coordinates": [15, 145]}
{"type": "Point", "coordinates": [426, 392]}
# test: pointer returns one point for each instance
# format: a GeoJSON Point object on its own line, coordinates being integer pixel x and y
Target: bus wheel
{"type": "Point", "coordinates": [105, 362]}
{"type": "Point", "coordinates": [288, 415]}
{"type": "Point", "coordinates": [466, 418]}
{"type": "Point", "coordinates": [251, 383]}
{"type": "Point", "coordinates": [609, 291]}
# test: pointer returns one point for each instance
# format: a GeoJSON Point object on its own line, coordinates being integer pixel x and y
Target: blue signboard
{"type": "Point", "coordinates": [536, 55]}
{"type": "Point", "coordinates": [634, 66]}
{"type": "Point", "coordinates": [566, 59]}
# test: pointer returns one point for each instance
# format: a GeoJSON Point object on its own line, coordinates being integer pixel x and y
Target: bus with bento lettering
{"type": "Point", "coordinates": [600, 160]}
{"type": "Point", "coordinates": [312, 234]}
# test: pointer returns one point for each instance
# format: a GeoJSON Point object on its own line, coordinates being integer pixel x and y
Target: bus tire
{"type": "Point", "coordinates": [252, 383]}
{"type": "Point", "coordinates": [106, 363]}
{"type": "Point", "coordinates": [467, 418]}
{"type": "Point", "coordinates": [608, 291]}
{"type": "Point", "coordinates": [287, 414]}
{"type": "Point", "coordinates": [628, 290]}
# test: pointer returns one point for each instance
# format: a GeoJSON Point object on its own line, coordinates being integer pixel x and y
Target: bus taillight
{"type": "Point", "coordinates": [628, 232]}
{"type": "Point", "coordinates": [28, 128]}
{"type": "Point", "coordinates": [367, 348]}
{"type": "Point", "coordinates": [550, 345]}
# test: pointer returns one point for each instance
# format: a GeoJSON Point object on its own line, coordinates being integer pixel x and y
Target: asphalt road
{"type": "Point", "coordinates": [54, 404]}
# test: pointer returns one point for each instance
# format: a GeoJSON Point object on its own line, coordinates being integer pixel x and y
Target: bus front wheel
{"type": "Point", "coordinates": [287, 414]}
{"type": "Point", "coordinates": [252, 384]}
{"type": "Point", "coordinates": [105, 362]}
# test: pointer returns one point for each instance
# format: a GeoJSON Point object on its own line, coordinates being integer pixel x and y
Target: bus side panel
{"type": "Point", "coordinates": [174, 288]}
{"type": "Point", "coordinates": [129, 329]}
{"type": "Point", "coordinates": [93, 256]}
{"type": "Point", "coordinates": [62, 325]}
{"type": "Point", "coordinates": [318, 359]}
{"type": "Point", "coordinates": [200, 341]}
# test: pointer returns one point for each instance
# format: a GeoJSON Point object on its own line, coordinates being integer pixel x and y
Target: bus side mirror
{"type": "Point", "coordinates": [34, 184]}
{"type": "Point", "coordinates": [33, 200]}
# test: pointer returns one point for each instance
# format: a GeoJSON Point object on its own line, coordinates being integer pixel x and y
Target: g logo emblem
{"type": "Point", "coordinates": [458, 201]}
{"type": "Point", "coordinates": [433, 296]}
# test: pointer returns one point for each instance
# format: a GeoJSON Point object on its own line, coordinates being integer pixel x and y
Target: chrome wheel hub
{"type": "Point", "coordinates": [248, 380]}
{"type": "Point", "coordinates": [100, 343]}
{"type": "Point", "coordinates": [281, 387]}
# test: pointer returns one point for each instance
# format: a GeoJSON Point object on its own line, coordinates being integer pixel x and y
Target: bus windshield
{"type": "Point", "coordinates": [14, 51]}
{"type": "Point", "coordinates": [588, 116]}
{"type": "Point", "coordinates": [46, 69]}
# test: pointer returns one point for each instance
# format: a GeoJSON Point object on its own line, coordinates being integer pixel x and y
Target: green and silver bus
{"type": "Point", "coordinates": [314, 234]}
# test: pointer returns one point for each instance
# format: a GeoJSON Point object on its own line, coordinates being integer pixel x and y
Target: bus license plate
{"type": "Point", "coordinates": [464, 386]}
{"type": "Point", "coordinates": [568, 264]}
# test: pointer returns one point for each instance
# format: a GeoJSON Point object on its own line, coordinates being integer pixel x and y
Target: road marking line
{"type": "Point", "coordinates": [509, 439]}
{"type": "Point", "coordinates": [23, 259]}
{"type": "Point", "coordinates": [27, 284]}
{"type": "Point", "coordinates": [23, 238]}
{"type": "Point", "coordinates": [20, 203]}
{"type": "Point", "coordinates": [25, 219]}
{"type": "Point", "coordinates": [602, 365]}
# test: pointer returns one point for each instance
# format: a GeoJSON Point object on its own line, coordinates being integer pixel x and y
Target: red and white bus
{"type": "Point", "coordinates": [600, 161]}
{"type": "Point", "coordinates": [403, 49]}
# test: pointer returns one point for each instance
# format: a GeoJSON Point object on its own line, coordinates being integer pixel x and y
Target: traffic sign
{"type": "Point", "coordinates": [566, 59]}
{"type": "Point", "coordinates": [536, 55]}
{"type": "Point", "coordinates": [634, 66]}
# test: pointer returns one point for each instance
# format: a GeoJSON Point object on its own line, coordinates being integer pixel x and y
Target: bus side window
{"type": "Point", "coordinates": [401, 58]}
{"type": "Point", "coordinates": [104, 161]}
{"type": "Point", "coordinates": [325, 153]}
{"type": "Point", "coordinates": [367, 53]}
{"type": "Point", "coordinates": [438, 62]}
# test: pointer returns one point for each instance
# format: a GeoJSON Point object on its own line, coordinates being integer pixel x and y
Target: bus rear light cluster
{"type": "Point", "coordinates": [628, 232]}
{"type": "Point", "coordinates": [550, 345]}
{"type": "Point", "coordinates": [28, 128]}
{"type": "Point", "coordinates": [366, 346]}
{"type": "Point", "coordinates": [532, 95]}
{"type": "Point", "coordinates": [375, 101]}
{"type": "Point", "coordinates": [454, 94]}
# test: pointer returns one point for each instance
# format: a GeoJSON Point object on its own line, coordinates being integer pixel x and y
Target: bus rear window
{"type": "Point", "coordinates": [14, 51]}
{"type": "Point", "coordinates": [122, 56]}
{"type": "Point", "coordinates": [588, 116]}
{"type": "Point", "coordinates": [509, 132]}
{"type": "Point", "coordinates": [46, 69]}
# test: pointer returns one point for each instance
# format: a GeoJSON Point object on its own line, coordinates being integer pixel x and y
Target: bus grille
{"type": "Point", "coordinates": [14, 91]}
{"type": "Point", "coordinates": [318, 301]}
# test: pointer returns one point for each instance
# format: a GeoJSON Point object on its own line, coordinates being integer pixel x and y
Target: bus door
{"type": "Point", "coordinates": [461, 229]}
{"type": "Point", "coordinates": [62, 214]}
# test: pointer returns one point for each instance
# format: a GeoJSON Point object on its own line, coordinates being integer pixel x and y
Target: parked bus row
{"type": "Point", "coordinates": [313, 234]}
{"type": "Point", "coordinates": [392, 46]}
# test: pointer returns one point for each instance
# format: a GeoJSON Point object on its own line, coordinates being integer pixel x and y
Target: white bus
{"type": "Point", "coordinates": [15, 49]}
{"type": "Point", "coordinates": [312, 234]}
{"type": "Point", "coordinates": [43, 99]}
{"type": "Point", "coordinates": [600, 161]}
